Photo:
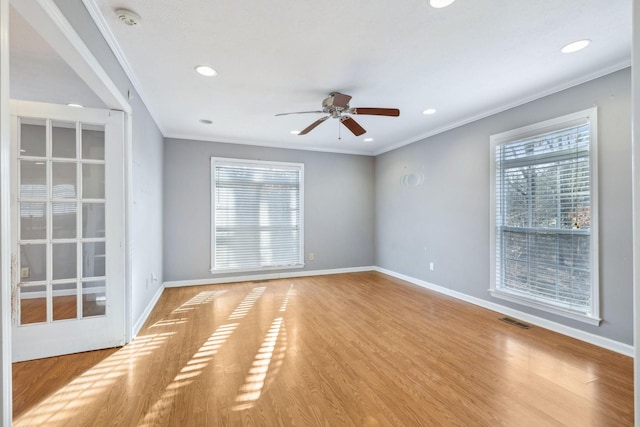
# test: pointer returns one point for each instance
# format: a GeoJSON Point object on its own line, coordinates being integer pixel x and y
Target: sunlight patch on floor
{"type": "Point", "coordinates": [202, 357]}
{"type": "Point", "coordinates": [67, 403]}
{"type": "Point", "coordinates": [169, 322]}
{"type": "Point", "coordinates": [266, 358]}
{"type": "Point", "coordinates": [202, 298]}
{"type": "Point", "coordinates": [285, 302]}
{"type": "Point", "coordinates": [247, 304]}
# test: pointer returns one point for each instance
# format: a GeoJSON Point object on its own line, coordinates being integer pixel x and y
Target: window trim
{"type": "Point", "coordinates": [539, 128]}
{"type": "Point", "coordinates": [261, 164]}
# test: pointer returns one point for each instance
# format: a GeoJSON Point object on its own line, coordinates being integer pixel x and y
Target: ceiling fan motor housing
{"type": "Point", "coordinates": [329, 104]}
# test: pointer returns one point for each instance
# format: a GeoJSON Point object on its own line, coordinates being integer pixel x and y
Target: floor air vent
{"type": "Point", "coordinates": [515, 323]}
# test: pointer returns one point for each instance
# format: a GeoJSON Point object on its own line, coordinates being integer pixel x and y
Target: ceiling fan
{"type": "Point", "coordinates": [337, 106]}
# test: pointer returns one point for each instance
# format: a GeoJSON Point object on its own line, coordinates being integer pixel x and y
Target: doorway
{"type": "Point", "coordinates": [47, 20]}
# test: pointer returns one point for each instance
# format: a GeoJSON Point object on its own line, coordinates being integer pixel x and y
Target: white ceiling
{"type": "Point", "coordinates": [468, 60]}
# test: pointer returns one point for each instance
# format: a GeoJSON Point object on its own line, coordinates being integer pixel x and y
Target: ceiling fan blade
{"type": "Point", "coordinates": [392, 112]}
{"type": "Point", "coordinates": [312, 126]}
{"type": "Point", "coordinates": [340, 100]}
{"type": "Point", "coordinates": [352, 125]}
{"type": "Point", "coordinates": [300, 112]}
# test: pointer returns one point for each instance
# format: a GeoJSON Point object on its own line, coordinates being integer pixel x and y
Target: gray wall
{"type": "Point", "coordinates": [446, 219]}
{"type": "Point", "coordinates": [35, 66]}
{"type": "Point", "coordinates": [146, 229]}
{"type": "Point", "coordinates": [339, 206]}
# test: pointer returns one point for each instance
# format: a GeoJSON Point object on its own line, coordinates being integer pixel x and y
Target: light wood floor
{"type": "Point", "coordinates": [65, 307]}
{"type": "Point", "coordinates": [358, 349]}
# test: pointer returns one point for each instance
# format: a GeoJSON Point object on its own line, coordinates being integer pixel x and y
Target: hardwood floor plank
{"type": "Point", "coordinates": [360, 349]}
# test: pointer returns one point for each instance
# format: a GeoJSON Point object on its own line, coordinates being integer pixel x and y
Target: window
{"type": "Point", "coordinates": [257, 215]}
{"type": "Point", "coordinates": [544, 218]}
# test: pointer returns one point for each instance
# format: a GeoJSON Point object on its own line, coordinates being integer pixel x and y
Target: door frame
{"type": "Point", "coordinates": [635, 176]}
{"type": "Point", "coordinates": [52, 25]}
{"type": "Point", "coordinates": [5, 221]}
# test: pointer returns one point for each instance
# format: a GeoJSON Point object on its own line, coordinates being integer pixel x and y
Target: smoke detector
{"type": "Point", "coordinates": [128, 17]}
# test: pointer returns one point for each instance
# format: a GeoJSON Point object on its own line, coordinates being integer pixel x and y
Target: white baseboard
{"type": "Point", "coordinates": [147, 311]}
{"type": "Point", "coordinates": [606, 343]}
{"type": "Point", "coordinates": [265, 276]}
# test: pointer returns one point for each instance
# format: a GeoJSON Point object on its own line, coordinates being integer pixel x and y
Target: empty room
{"type": "Point", "coordinates": [409, 213]}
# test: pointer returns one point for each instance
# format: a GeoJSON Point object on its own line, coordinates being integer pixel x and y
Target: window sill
{"type": "Point", "coordinates": [585, 318]}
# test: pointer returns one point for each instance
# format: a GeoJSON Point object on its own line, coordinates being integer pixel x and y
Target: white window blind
{"type": "Point", "coordinates": [544, 216]}
{"type": "Point", "coordinates": [257, 215]}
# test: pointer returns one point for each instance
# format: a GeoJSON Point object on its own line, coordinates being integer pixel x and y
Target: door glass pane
{"type": "Point", "coordinates": [59, 165]}
{"type": "Point", "coordinates": [92, 142]}
{"type": "Point", "coordinates": [33, 138]}
{"type": "Point", "coordinates": [64, 180]}
{"type": "Point", "coordinates": [93, 220]}
{"type": "Point", "coordinates": [33, 304]}
{"type": "Point", "coordinates": [94, 298]}
{"type": "Point", "coordinates": [93, 259]}
{"type": "Point", "coordinates": [64, 261]}
{"type": "Point", "coordinates": [64, 220]}
{"type": "Point", "coordinates": [92, 181]}
{"type": "Point", "coordinates": [33, 259]}
{"type": "Point", "coordinates": [65, 298]}
{"type": "Point", "coordinates": [33, 221]}
{"type": "Point", "coordinates": [33, 179]}
{"type": "Point", "coordinates": [63, 140]}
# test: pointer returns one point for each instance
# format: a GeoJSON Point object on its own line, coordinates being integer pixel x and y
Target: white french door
{"type": "Point", "coordinates": [68, 229]}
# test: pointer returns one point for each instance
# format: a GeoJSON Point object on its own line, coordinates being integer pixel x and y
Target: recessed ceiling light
{"type": "Point", "coordinates": [206, 71]}
{"type": "Point", "coordinates": [76, 105]}
{"type": "Point", "coordinates": [575, 46]}
{"type": "Point", "coordinates": [438, 4]}
{"type": "Point", "coordinates": [294, 132]}
{"type": "Point", "coordinates": [205, 121]}
{"type": "Point", "coordinates": [429, 111]}
{"type": "Point", "coordinates": [368, 140]}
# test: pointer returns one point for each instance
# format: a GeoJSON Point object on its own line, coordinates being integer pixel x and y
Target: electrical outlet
{"type": "Point", "coordinates": [312, 256]}
{"type": "Point", "coordinates": [431, 266]}
{"type": "Point", "coordinates": [24, 272]}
